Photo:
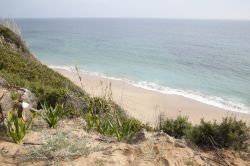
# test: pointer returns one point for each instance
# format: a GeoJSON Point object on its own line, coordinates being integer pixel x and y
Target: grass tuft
{"type": "Point", "coordinates": [59, 147]}
{"type": "Point", "coordinates": [52, 115]}
{"type": "Point", "coordinates": [109, 119]}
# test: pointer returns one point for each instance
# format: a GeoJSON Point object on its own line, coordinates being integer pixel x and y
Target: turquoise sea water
{"type": "Point", "coordinates": [208, 61]}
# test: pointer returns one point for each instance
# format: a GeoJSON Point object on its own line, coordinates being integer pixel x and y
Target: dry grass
{"type": "Point", "coordinates": [60, 146]}
{"type": "Point", "coordinates": [12, 25]}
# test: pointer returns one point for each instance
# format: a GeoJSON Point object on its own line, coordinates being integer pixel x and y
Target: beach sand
{"type": "Point", "coordinates": [147, 105]}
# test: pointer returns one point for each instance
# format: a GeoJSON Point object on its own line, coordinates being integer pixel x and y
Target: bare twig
{"type": "Point", "coordinates": [216, 150]}
{"type": "Point", "coordinates": [79, 75]}
{"type": "Point", "coordinates": [32, 143]}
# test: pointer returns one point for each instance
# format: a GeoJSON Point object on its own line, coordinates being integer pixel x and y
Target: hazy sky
{"type": "Point", "coordinates": [201, 9]}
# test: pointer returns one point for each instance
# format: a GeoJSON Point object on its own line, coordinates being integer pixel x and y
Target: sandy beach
{"type": "Point", "coordinates": [147, 105]}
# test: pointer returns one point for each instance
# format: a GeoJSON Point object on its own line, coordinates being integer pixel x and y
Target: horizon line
{"type": "Point", "coordinates": [159, 18]}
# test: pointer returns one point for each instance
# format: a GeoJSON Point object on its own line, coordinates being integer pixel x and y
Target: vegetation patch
{"type": "Point", "coordinates": [230, 133]}
{"type": "Point", "coordinates": [108, 119]}
{"type": "Point", "coordinates": [52, 115]}
{"type": "Point", "coordinates": [13, 38]}
{"type": "Point", "coordinates": [17, 127]}
{"type": "Point", "coordinates": [177, 128]}
{"type": "Point", "coordinates": [60, 146]}
{"type": "Point", "coordinates": [121, 129]}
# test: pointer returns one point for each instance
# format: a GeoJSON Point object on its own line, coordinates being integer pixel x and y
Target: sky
{"type": "Point", "coordinates": [183, 9]}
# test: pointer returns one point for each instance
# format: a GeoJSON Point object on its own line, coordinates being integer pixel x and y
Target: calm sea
{"type": "Point", "coordinates": [208, 61]}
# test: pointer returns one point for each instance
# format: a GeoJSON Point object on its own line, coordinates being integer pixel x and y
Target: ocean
{"type": "Point", "coordinates": [206, 60]}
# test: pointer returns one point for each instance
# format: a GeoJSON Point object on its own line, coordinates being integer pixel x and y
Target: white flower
{"type": "Point", "coordinates": [25, 105]}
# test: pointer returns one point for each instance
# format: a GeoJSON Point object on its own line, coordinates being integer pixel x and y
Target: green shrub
{"type": "Point", "coordinates": [120, 128]}
{"type": "Point", "coordinates": [92, 121]}
{"type": "Point", "coordinates": [233, 133]}
{"type": "Point", "coordinates": [17, 127]}
{"type": "Point", "coordinates": [202, 134]}
{"type": "Point", "coordinates": [34, 76]}
{"type": "Point", "coordinates": [98, 105]}
{"type": "Point", "coordinates": [128, 128]}
{"type": "Point", "coordinates": [230, 133]}
{"type": "Point", "coordinates": [108, 119]}
{"type": "Point", "coordinates": [104, 116]}
{"type": "Point", "coordinates": [52, 115]}
{"type": "Point", "coordinates": [177, 128]}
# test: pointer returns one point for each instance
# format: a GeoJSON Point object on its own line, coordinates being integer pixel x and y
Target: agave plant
{"type": "Point", "coordinates": [129, 128]}
{"type": "Point", "coordinates": [17, 127]}
{"type": "Point", "coordinates": [120, 128]}
{"type": "Point", "coordinates": [53, 115]}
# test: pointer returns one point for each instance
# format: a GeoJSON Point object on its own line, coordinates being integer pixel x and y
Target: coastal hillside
{"type": "Point", "coordinates": [21, 69]}
{"type": "Point", "coordinates": [45, 119]}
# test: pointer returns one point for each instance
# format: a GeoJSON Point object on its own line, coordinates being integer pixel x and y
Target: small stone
{"type": "Point", "coordinates": [162, 134]}
{"type": "Point", "coordinates": [141, 136]}
{"type": "Point", "coordinates": [179, 143]}
{"type": "Point", "coordinates": [6, 105]}
{"type": "Point", "coordinates": [81, 122]}
{"type": "Point", "coordinates": [4, 150]}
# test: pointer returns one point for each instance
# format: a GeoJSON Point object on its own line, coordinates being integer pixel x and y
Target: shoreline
{"type": "Point", "coordinates": [146, 105]}
{"type": "Point", "coordinates": [215, 101]}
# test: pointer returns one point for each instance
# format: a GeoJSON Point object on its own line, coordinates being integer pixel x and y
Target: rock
{"type": "Point", "coordinates": [141, 136]}
{"type": "Point", "coordinates": [81, 122]}
{"type": "Point", "coordinates": [3, 83]}
{"type": "Point", "coordinates": [179, 143]}
{"type": "Point", "coordinates": [6, 105]}
{"type": "Point", "coordinates": [162, 134]}
{"type": "Point", "coordinates": [28, 97]}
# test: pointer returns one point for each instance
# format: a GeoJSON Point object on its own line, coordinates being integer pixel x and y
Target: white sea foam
{"type": "Point", "coordinates": [68, 68]}
{"type": "Point", "coordinates": [210, 100]}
